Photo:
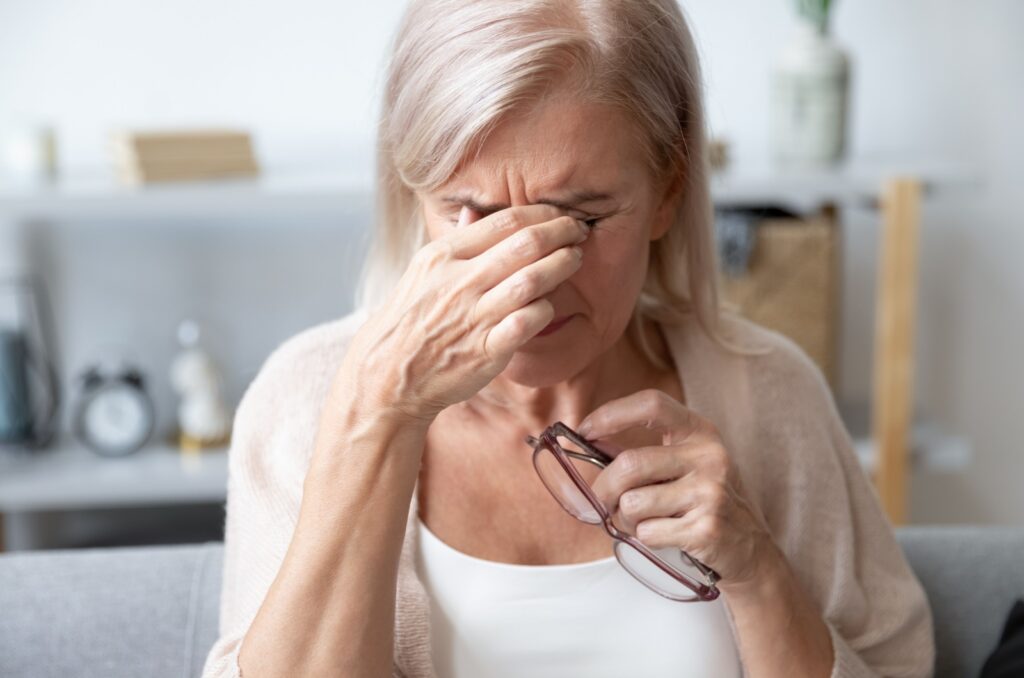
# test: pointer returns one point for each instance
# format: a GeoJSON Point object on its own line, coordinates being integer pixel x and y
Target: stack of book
{"type": "Point", "coordinates": [192, 155]}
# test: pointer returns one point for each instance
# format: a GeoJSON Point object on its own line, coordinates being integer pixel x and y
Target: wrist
{"type": "Point", "coordinates": [353, 427]}
{"type": "Point", "coordinates": [770, 577]}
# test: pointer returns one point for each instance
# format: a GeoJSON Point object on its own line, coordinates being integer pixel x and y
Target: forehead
{"type": "Point", "coordinates": [559, 144]}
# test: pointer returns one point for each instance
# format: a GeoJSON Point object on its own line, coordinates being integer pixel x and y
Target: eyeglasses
{"type": "Point", "coordinates": [563, 467]}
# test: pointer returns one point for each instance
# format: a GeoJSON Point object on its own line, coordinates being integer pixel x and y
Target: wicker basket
{"type": "Point", "coordinates": [791, 285]}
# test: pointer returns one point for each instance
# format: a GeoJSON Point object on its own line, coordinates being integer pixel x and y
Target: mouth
{"type": "Point", "coordinates": [555, 325]}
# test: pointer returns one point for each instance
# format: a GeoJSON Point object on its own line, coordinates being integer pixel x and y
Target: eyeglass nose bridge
{"type": "Point", "coordinates": [590, 452]}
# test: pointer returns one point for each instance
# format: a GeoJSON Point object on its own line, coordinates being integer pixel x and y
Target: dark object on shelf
{"type": "Point", "coordinates": [29, 387]}
{"type": "Point", "coordinates": [114, 413]}
{"type": "Point", "coordinates": [736, 234]}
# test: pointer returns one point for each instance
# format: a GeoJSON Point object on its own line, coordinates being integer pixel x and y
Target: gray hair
{"type": "Point", "coordinates": [459, 67]}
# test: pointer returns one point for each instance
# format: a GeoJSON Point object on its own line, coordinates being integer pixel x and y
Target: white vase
{"type": "Point", "coordinates": [809, 94]}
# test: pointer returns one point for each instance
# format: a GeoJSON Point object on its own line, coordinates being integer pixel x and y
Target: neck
{"type": "Point", "coordinates": [620, 371]}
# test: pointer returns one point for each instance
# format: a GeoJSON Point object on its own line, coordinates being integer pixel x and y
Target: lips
{"type": "Point", "coordinates": [555, 325]}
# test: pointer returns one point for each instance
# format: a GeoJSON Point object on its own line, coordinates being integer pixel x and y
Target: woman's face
{"type": "Point", "coordinates": [560, 150]}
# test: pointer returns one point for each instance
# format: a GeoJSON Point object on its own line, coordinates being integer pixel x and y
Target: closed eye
{"type": "Point", "coordinates": [591, 222]}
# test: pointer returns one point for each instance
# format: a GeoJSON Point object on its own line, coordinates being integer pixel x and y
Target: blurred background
{"type": "Point", "coordinates": [184, 185]}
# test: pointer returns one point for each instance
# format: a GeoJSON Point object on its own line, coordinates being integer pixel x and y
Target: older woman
{"type": "Point", "coordinates": [544, 255]}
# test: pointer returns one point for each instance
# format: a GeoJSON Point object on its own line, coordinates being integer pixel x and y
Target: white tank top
{"type": "Point", "coordinates": [593, 619]}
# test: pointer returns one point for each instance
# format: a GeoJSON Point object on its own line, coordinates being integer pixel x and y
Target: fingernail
{"type": "Point", "coordinates": [584, 428]}
{"type": "Point", "coordinates": [584, 231]}
{"type": "Point", "coordinates": [578, 251]}
{"type": "Point", "coordinates": [464, 215]}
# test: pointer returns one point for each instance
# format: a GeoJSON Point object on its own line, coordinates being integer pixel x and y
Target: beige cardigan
{"type": "Point", "coordinates": [779, 422]}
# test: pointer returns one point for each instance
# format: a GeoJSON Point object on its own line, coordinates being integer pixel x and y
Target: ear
{"type": "Point", "coordinates": [668, 202]}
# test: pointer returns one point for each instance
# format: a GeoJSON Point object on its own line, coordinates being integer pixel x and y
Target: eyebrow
{"type": "Point", "coordinates": [574, 199]}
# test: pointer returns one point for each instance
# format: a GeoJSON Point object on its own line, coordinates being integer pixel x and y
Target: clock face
{"type": "Point", "coordinates": [117, 418]}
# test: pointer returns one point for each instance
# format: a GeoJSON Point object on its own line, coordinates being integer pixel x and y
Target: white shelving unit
{"type": "Point", "coordinates": [70, 478]}
{"type": "Point", "coordinates": [38, 488]}
{"type": "Point", "coordinates": [212, 202]}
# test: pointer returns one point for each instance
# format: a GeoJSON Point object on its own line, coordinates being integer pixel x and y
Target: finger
{"type": "Point", "coordinates": [467, 216]}
{"type": "Point", "coordinates": [662, 500]}
{"type": "Point", "coordinates": [641, 466]}
{"type": "Point", "coordinates": [697, 532]}
{"type": "Point", "coordinates": [529, 283]}
{"type": "Point", "coordinates": [662, 532]}
{"type": "Point", "coordinates": [526, 246]}
{"type": "Point", "coordinates": [480, 233]}
{"type": "Point", "coordinates": [651, 408]}
{"type": "Point", "coordinates": [517, 328]}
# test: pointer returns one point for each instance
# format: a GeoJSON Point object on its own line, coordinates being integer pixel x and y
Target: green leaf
{"type": "Point", "coordinates": [815, 10]}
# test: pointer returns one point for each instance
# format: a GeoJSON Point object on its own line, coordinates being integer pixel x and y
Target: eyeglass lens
{"type": "Point", "coordinates": [576, 503]}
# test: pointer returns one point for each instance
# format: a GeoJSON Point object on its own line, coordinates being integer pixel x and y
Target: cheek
{"type": "Point", "coordinates": [436, 226]}
{"type": "Point", "coordinates": [612, 275]}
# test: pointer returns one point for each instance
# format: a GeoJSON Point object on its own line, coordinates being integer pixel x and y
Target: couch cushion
{"type": "Point", "coordinates": [110, 612]}
{"type": "Point", "coordinates": [972, 576]}
{"type": "Point", "coordinates": [153, 611]}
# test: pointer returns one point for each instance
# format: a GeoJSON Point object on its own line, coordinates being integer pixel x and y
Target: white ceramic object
{"type": "Point", "coordinates": [809, 95]}
{"type": "Point", "coordinates": [28, 155]}
{"type": "Point", "coordinates": [202, 414]}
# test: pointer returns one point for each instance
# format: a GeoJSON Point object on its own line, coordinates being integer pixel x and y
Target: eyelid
{"type": "Point", "coordinates": [588, 220]}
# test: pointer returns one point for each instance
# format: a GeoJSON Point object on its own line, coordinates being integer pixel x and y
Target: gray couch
{"type": "Point", "coordinates": [152, 611]}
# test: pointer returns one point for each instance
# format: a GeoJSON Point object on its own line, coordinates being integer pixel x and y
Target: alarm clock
{"type": "Point", "coordinates": [114, 413]}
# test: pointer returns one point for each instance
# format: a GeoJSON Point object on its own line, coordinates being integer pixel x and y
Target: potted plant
{"type": "Point", "coordinates": [809, 92]}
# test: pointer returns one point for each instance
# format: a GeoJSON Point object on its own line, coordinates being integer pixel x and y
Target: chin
{"type": "Point", "coordinates": [538, 371]}
{"type": "Point", "coordinates": [539, 363]}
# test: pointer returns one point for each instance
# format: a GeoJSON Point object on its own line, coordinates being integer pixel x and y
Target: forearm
{"type": "Point", "coordinates": [780, 632]}
{"type": "Point", "coordinates": [330, 610]}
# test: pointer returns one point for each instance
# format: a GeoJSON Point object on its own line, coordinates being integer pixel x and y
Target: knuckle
{"type": "Point", "coordinates": [631, 463]}
{"type": "Point", "coordinates": [653, 399]}
{"type": "Point", "coordinates": [436, 251]}
{"type": "Point", "coordinates": [507, 220]}
{"type": "Point", "coordinates": [718, 459]}
{"type": "Point", "coordinates": [524, 286]}
{"type": "Point", "coordinates": [715, 492]}
{"type": "Point", "coordinates": [707, 528]}
{"type": "Point", "coordinates": [518, 323]}
{"type": "Point", "coordinates": [630, 502]}
{"type": "Point", "coordinates": [710, 427]}
{"type": "Point", "coordinates": [526, 243]}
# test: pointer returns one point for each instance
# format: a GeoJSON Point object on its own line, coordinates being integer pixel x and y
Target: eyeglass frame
{"type": "Point", "coordinates": [705, 592]}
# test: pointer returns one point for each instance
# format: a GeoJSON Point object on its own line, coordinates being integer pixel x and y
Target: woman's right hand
{"type": "Point", "coordinates": [465, 304]}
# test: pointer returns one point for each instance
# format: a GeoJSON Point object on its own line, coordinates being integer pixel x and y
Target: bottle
{"type": "Point", "coordinates": [809, 95]}
{"type": "Point", "coordinates": [203, 418]}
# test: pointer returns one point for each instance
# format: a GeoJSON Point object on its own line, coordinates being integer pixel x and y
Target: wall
{"type": "Point", "coordinates": [932, 79]}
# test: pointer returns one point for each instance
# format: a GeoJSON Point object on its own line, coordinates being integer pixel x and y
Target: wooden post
{"type": "Point", "coordinates": [892, 405]}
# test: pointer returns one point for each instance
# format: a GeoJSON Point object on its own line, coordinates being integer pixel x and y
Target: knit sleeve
{"type": "Point", "coordinates": [262, 508]}
{"type": "Point", "coordinates": [826, 517]}
{"type": "Point", "coordinates": [272, 437]}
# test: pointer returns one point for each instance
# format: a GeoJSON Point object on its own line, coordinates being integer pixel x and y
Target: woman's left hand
{"type": "Point", "coordinates": [685, 493]}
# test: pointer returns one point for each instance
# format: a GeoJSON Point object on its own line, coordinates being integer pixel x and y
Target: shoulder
{"type": "Point", "coordinates": [282, 403]}
{"type": "Point", "coordinates": [764, 388]}
{"type": "Point", "coordinates": [769, 360]}
{"type": "Point", "coordinates": [307, 356]}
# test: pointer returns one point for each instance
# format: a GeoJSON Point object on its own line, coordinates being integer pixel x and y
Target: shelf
{"type": "Point", "coordinates": [341, 193]}
{"type": "Point", "coordinates": [290, 197]}
{"type": "Point", "coordinates": [856, 183]}
{"type": "Point", "coordinates": [73, 477]}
